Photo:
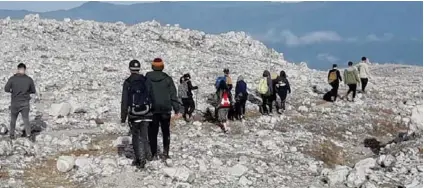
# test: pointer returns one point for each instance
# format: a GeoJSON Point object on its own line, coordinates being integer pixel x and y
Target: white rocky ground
{"type": "Point", "coordinates": [79, 66]}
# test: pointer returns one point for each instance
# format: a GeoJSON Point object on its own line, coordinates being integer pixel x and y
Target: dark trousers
{"type": "Point", "coordinates": [283, 96]}
{"type": "Point", "coordinates": [241, 107]}
{"type": "Point", "coordinates": [163, 121]}
{"type": "Point", "coordinates": [352, 88]}
{"type": "Point", "coordinates": [334, 90]}
{"type": "Point", "coordinates": [139, 136]}
{"type": "Point", "coordinates": [15, 110]}
{"type": "Point", "coordinates": [189, 107]}
{"type": "Point", "coordinates": [364, 82]}
{"type": "Point", "coordinates": [266, 101]}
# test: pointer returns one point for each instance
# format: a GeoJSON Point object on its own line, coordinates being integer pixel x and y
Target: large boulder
{"type": "Point", "coordinates": [61, 109]}
{"type": "Point", "coordinates": [416, 120]}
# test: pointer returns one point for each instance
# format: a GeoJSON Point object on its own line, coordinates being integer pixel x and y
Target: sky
{"type": "Point", "coordinates": [44, 6]}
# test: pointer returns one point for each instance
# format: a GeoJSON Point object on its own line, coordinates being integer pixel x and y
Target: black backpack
{"type": "Point", "coordinates": [139, 101]}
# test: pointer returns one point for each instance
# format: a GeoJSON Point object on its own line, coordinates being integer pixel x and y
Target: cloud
{"type": "Point", "coordinates": [327, 57]}
{"type": "Point", "coordinates": [374, 38]}
{"type": "Point", "coordinates": [290, 39]}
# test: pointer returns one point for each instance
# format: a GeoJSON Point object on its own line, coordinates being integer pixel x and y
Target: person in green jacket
{"type": "Point", "coordinates": [351, 79]}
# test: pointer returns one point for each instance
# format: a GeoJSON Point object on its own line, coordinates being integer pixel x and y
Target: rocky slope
{"type": "Point", "coordinates": [79, 66]}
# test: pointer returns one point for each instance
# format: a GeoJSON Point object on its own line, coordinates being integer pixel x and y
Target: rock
{"type": "Point", "coordinates": [303, 109]}
{"type": "Point", "coordinates": [414, 184]}
{"type": "Point", "coordinates": [82, 162]}
{"type": "Point", "coordinates": [217, 162]}
{"type": "Point", "coordinates": [197, 123]}
{"type": "Point", "coordinates": [417, 119]}
{"type": "Point", "coordinates": [3, 129]}
{"type": "Point", "coordinates": [355, 178]}
{"type": "Point", "coordinates": [365, 164]}
{"type": "Point", "coordinates": [65, 163]}
{"type": "Point", "coordinates": [338, 175]}
{"type": "Point", "coordinates": [62, 109]}
{"type": "Point", "coordinates": [293, 149]}
{"type": "Point", "coordinates": [237, 170]}
{"type": "Point", "coordinates": [244, 181]}
{"type": "Point", "coordinates": [122, 141]}
{"type": "Point", "coordinates": [180, 173]}
{"type": "Point", "coordinates": [368, 185]}
{"type": "Point", "coordinates": [386, 160]}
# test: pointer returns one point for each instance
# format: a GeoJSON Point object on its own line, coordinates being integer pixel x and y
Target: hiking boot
{"type": "Point", "coordinates": [31, 138]}
{"type": "Point", "coordinates": [12, 137]}
{"type": "Point", "coordinates": [165, 155]}
{"type": "Point", "coordinates": [153, 157]}
{"type": "Point", "coordinates": [140, 164]}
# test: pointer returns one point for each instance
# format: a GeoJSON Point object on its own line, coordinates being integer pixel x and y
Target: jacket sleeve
{"type": "Point", "coordinates": [344, 76]}
{"type": "Point", "coordinates": [368, 71]}
{"type": "Point", "coordinates": [173, 94]}
{"type": "Point", "coordinates": [8, 86]}
{"type": "Point", "coordinates": [328, 76]}
{"type": "Point", "coordinates": [357, 76]}
{"type": "Point", "coordinates": [124, 102]}
{"type": "Point", "coordinates": [288, 87]}
{"type": "Point", "coordinates": [32, 86]}
{"type": "Point", "coordinates": [190, 86]}
{"type": "Point", "coordinates": [339, 76]}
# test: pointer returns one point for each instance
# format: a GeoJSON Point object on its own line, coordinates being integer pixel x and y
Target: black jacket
{"type": "Point", "coordinates": [190, 89]}
{"type": "Point", "coordinates": [164, 93]}
{"type": "Point", "coordinates": [124, 100]}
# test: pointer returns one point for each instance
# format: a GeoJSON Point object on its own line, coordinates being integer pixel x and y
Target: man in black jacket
{"type": "Point", "coordinates": [20, 86]}
{"type": "Point", "coordinates": [187, 98]}
{"type": "Point", "coordinates": [138, 124]}
{"type": "Point", "coordinates": [334, 80]}
{"type": "Point", "coordinates": [164, 101]}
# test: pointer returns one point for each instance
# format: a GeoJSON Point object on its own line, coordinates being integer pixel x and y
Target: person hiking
{"type": "Point", "coordinates": [241, 97]}
{"type": "Point", "coordinates": [283, 88]}
{"type": "Point", "coordinates": [364, 72]}
{"type": "Point", "coordinates": [164, 101]}
{"type": "Point", "coordinates": [334, 80]}
{"type": "Point", "coordinates": [186, 95]}
{"type": "Point", "coordinates": [21, 86]}
{"type": "Point", "coordinates": [273, 98]}
{"type": "Point", "coordinates": [265, 90]}
{"type": "Point", "coordinates": [136, 106]}
{"type": "Point", "coordinates": [223, 101]}
{"type": "Point", "coordinates": [351, 79]}
{"type": "Point", "coordinates": [226, 78]}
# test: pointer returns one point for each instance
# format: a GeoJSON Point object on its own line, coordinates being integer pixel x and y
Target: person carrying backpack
{"type": "Point", "coordinates": [283, 88]}
{"type": "Point", "coordinates": [334, 80]}
{"type": "Point", "coordinates": [364, 72]}
{"type": "Point", "coordinates": [265, 90]}
{"type": "Point", "coordinates": [223, 102]}
{"type": "Point", "coordinates": [136, 106]}
{"type": "Point", "coordinates": [273, 98]}
{"type": "Point", "coordinates": [20, 86]}
{"type": "Point", "coordinates": [186, 95]}
{"type": "Point", "coordinates": [351, 79]}
{"type": "Point", "coordinates": [226, 78]}
{"type": "Point", "coordinates": [241, 97]}
{"type": "Point", "coordinates": [164, 101]}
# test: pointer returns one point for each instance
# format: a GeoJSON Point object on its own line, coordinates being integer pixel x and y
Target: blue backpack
{"type": "Point", "coordinates": [218, 80]}
{"type": "Point", "coordinates": [139, 100]}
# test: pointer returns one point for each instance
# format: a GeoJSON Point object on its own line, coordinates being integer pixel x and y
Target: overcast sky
{"type": "Point", "coordinates": [43, 6]}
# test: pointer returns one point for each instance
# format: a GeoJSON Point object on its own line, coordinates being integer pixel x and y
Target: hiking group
{"type": "Point", "coordinates": [148, 101]}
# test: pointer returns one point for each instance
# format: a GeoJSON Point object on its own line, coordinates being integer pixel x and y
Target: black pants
{"type": "Point", "coordinates": [334, 90]}
{"type": "Point", "coordinates": [352, 88]}
{"type": "Point", "coordinates": [283, 97]}
{"type": "Point", "coordinates": [139, 136]}
{"type": "Point", "coordinates": [266, 101]}
{"type": "Point", "coordinates": [15, 110]}
{"type": "Point", "coordinates": [364, 82]}
{"type": "Point", "coordinates": [162, 120]}
{"type": "Point", "coordinates": [241, 107]}
{"type": "Point", "coordinates": [189, 107]}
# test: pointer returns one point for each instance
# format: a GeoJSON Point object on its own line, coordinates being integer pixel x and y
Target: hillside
{"type": "Point", "coordinates": [79, 66]}
{"type": "Point", "coordinates": [289, 27]}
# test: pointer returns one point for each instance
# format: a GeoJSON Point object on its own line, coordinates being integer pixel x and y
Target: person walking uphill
{"type": "Point", "coordinates": [20, 86]}
{"type": "Point", "coordinates": [136, 105]}
{"type": "Point", "coordinates": [283, 88]}
{"type": "Point", "coordinates": [223, 102]}
{"type": "Point", "coordinates": [334, 80]}
{"type": "Point", "coordinates": [241, 97]}
{"type": "Point", "coordinates": [364, 73]}
{"type": "Point", "coordinates": [186, 95]}
{"type": "Point", "coordinates": [265, 90]}
{"type": "Point", "coordinates": [164, 101]}
{"type": "Point", "coordinates": [351, 79]}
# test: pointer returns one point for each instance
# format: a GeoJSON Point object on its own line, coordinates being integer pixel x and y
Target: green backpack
{"type": "Point", "coordinates": [263, 86]}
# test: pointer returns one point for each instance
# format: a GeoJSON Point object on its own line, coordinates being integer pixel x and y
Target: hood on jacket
{"type": "Point", "coordinates": [157, 76]}
{"type": "Point", "coordinates": [352, 68]}
{"type": "Point", "coordinates": [240, 78]}
{"type": "Point", "coordinates": [266, 74]}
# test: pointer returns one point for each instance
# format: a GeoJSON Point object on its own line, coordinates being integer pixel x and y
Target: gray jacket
{"type": "Point", "coordinates": [20, 86]}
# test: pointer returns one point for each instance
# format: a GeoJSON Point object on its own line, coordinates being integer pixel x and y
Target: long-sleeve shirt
{"type": "Point", "coordinates": [21, 87]}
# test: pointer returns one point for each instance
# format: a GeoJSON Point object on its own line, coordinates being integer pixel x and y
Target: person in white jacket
{"type": "Point", "coordinates": [364, 72]}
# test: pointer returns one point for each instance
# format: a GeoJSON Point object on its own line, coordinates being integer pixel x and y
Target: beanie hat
{"type": "Point", "coordinates": [157, 64]}
{"type": "Point", "coordinates": [134, 65]}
